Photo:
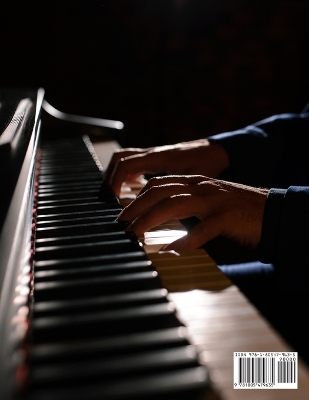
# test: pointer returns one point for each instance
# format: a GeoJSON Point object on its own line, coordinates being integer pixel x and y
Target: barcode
{"type": "Point", "coordinates": [273, 370]}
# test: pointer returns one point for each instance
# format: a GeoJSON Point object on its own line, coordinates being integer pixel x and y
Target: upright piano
{"type": "Point", "coordinates": [83, 311]}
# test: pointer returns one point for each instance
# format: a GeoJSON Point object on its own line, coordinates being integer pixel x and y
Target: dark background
{"type": "Point", "coordinates": [171, 70]}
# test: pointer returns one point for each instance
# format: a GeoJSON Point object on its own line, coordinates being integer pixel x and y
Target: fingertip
{"type": "Point", "coordinates": [177, 245]}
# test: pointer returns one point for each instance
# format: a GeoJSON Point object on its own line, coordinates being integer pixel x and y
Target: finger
{"type": "Point", "coordinates": [137, 164]}
{"type": "Point", "coordinates": [210, 228]}
{"type": "Point", "coordinates": [174, 207]}
{"type": "Point", "coordinates": [172, 179]}
{"type": "Point", "coordinates": [121, 153]}
{"type": "Point", "coordinates": [148, 199]}
{"type": "Point", "coordinates": [155, 192]}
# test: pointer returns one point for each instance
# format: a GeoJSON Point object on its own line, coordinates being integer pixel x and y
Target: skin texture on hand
{"type": "Point", "coordinates": [225, 209]}
{"type": "Point", "coordinates": [188, 158]}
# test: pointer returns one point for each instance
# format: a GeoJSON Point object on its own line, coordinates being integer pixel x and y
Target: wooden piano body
{"type": "Point", "coordinates": [83, 313]}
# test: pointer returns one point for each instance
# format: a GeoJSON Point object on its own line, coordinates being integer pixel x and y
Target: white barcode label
{"type": "Point", "coordinates": [273, 370]}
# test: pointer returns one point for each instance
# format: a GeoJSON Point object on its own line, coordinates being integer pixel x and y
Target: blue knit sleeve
{"type": "Point", "coordinates": [269, 153]}
{"type": "Point", "coordinates": [285, 235]}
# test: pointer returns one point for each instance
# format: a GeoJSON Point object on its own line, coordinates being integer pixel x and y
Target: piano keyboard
{"type": "Point", "coordinates": [102, 324]}
{"type": "Point", "coordinates": [219, 319]}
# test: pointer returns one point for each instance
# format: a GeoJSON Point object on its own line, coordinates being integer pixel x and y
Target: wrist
{"type": "Point", "coordinates": [220, 156]}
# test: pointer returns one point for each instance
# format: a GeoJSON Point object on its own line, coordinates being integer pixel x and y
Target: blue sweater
{"type": "Point", "coordinates": [274, 153]}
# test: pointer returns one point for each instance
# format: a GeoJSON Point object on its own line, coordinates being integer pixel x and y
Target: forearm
{"type": "Point", "coordinates": [285, 230]}
{"type": "Point", "coordinates": [270, 153]}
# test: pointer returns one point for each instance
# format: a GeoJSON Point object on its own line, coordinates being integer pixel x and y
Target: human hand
{"type": "Point", "coordinates": [225, 209]}
{"type": "Point", "coordinates": [196, 157]}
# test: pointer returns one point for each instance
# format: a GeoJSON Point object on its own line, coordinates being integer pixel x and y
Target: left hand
{"type": "Point", "coordinates": [201, 157]}
{"type": "Point", "coordinates": [224, 208]}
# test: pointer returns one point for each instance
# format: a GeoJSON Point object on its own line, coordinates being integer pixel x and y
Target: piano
{"type": "Point", "coordinates": [84, 312]}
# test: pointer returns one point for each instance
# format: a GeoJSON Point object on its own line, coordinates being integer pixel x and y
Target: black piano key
{"type": "Point", "coordinates": [58, 186]}
{"type": "Point", "coordinates": [80, 229]}
{"type": "Point", "coordinates": [53, 153]}
{"type": "Point", "coordinates": [88, 248]}
{"type": "Point", "coordinates": [92, 271]}
{"type": "Point", "coordinates": [81, 262]}
{"type": "Point", "coordinates": [105, 191]}
{"type": "Point", "coordinates": [97, 348]}
{"type": "Point", "coordinates": [96, 286]}
{"type": "Point", "coordinates": [183, 384]}
{"type": "Point", "coordinates": [80, 214]}
{"type": "Point", "coordinates": [64, 307]}
{"type": "Point", "coordinates": [110, 368]}
{"type": "Point", "coordinates": [104, 323]}
{"type": "Point", "coordinates": [95, 237]}
{"type": "Point", "coordinates": [71, 177]}
{"type": "Point", "coordinates": [63, 169]}
{"type": "Point", "coordinates": [70, 221]}
{"type": "Point", "coordinates": [63, 150]}
{"type": "Point", "coordinates": [85, 198]}
{"type": "Point", "coordinates": [72, 194]}
{"type": "Point", "coordinates": [92, 206]}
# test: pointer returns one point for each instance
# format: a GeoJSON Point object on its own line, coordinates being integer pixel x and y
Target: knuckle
{"type": "Point", "coordinates": [189, 240]}
{"type": "Point", "coordinates": [154, 181]}
{"type": "Point", "coordinates": [153, 191]}
{"type": "Point", "coordinates": [121, 163]}
{"type": "Point", "coordinates": [175, 202]}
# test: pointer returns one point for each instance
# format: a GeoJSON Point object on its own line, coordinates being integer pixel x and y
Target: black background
{"type": "Point", "coordinates": [171, 70]}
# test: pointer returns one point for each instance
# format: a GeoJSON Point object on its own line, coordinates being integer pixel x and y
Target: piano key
{"type": "Point", "coordinates": [68, 221]}
{"type": "Point", "coordinates": [102, 302]}
{"type": "Point", "coordinates": [58, 186]}
{"type": "Point", "coordinates": [132, 343]}
{"type": "Point", "coordinates": [91, 271]}
{"type": "Point", "coordinates": [92, 206]}
{"type": "Point", "coordinates": [95, 286]}
{"type": "Point", "coordinates": [58, 150]}
{"type": "Point", "coordinates": [104, 323]}
{"type": "Point", "coordinates": [95, 237]}
{"type": "Point", "coordinates": [79, 229]}
{"type": "Point", "coordinates": [72, 194]}
{"type": "Point", "coordinates": [85, 249]}
{"type": "Point", "coordinates": [85, 198]}
{"type": "Point", "coordinates": [184, 384]}
{"type": "Point", "coordinates": [81, 262]}
{"type": "Point", "coordinates": [72, 177]}
{"type": "Point", "coordinates": [63, 169]}
{"type": "Point", "coordinates": [79, 214]}
{"type": "Point", "coordinates": [110, 368]}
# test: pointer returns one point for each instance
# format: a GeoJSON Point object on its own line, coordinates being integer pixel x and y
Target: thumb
{"type": "Point", "coordinates": [204, 231]}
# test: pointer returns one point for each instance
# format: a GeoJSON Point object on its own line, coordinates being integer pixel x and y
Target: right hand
{"type": "Point", "coordinates": [224, 208]}
{"type": "Point", "coordinates": [199, 157]}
